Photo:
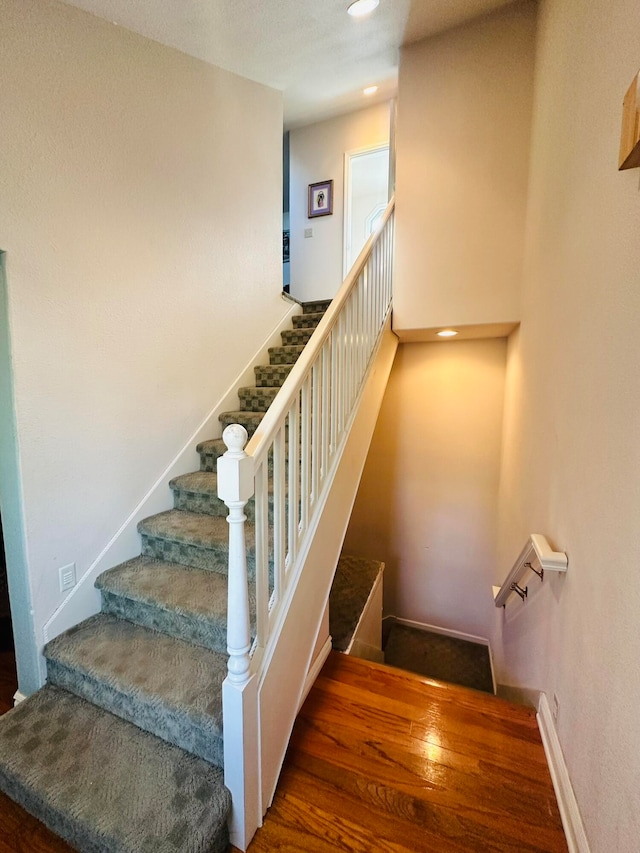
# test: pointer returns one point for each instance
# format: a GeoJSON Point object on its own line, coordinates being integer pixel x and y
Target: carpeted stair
{"type": "Point", "coordinates": [352, 585]}
{"type": "Point", "coordinates": [121, 751]}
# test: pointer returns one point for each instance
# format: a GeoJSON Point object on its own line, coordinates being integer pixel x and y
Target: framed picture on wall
{"type": "Point", "coordinates": [320, 199]}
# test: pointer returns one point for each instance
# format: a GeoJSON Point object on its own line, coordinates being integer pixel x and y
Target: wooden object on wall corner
{"type": "Point", "coordinates": [630, 136]}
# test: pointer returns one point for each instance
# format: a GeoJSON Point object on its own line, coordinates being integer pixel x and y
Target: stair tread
{"type": "Point", "coordinates": [145, 665]}
{"type": "Point", "coordinates": [191, 528]}
{"type": "Point", "coordinates": [188, 591]}
{"type": "Point", "coordinates": [105, 785]}
{"type": "Point", "coordinates": [249, 420]}
{"type": "Point", "coordinates": [288, 348]}
{"type": "Point", "coordinates": [203, 482]}
{"type": "Point", "coordinates": [182, 601]}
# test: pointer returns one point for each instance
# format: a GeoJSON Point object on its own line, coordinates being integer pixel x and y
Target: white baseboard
{"type": "Point", "coordinates": [567, 803]}
{"type": "Point", "coordinates": [435, 629]}
{"type": "Point", "coordinates": [18, 697]}
{"type": "Point", "coordinates": [449, 632]}
{"type": "Point", "coordinates": [314, 670]}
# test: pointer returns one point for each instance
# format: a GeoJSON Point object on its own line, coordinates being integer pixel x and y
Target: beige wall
{"type": "Point", "coordinates": [317, 154]}
{"type": "Point", "coordinates": [142, 273]}
{"type": "Point", "coordinates": [464, 114]}
{"type": "Point", "coordinates": [427, 502]}
{"type": "Point", "coordinates": [571, 466]}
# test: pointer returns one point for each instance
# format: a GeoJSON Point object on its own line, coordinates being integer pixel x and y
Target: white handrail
{"type": "Point", "coordinates": [289, 465]}
{"type": "Point", "coordinates": [536, 556]}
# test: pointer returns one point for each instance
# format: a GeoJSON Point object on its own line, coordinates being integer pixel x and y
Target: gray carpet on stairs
{"type": "Point", "coordinates": [439, 657]}
{"type": "Point", "coordinates": [155, 656]}
{"type": "Point", "coordinates": [352, 583]}
{"type": "Point", "coordinates": [105, 785]}
{"type": "Point", "coordinates": [167, 686]}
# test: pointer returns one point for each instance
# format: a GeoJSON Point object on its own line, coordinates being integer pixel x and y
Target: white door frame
{"type": "Point", "coordinates": [348, 157]}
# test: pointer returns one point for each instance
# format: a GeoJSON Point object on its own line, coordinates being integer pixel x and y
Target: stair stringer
{"type": "Point", "coordinates": [289, 655]}
{"type": "Point", "coordinates": [84, 600]}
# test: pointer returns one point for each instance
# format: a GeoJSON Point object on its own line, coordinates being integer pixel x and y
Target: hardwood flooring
{"type": "Point", "coordinates": [381, 760]}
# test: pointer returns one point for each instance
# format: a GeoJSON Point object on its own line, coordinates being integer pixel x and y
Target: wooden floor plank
{"type": "Point", "coordinates": [385, 761]}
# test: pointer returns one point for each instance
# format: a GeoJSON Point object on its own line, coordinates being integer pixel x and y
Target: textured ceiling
{"type": "Point", "coordinates": [314, 52]}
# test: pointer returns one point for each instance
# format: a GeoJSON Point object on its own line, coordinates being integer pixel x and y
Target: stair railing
{"type": "Point", "coordinates": [538, 557]}
{"type": "Point", "coordinates": [287, 468]}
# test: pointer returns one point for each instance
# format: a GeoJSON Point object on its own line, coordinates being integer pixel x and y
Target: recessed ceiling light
{"type": "Point", "coordinates": [370, 90]}
{"type": "Point", "coordinates": [362, 7]}
{"type": "Point", "coordinates": [447, 333]}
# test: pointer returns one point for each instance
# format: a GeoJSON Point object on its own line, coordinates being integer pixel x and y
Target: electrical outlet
{"type": "Point", "coordinates": [555, 708]}
{"type": "Point", "coordinates": [308, 232]}
{"type": "Point", "coordinates": [67, 575]}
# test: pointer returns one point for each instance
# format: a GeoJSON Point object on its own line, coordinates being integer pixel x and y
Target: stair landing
{"type": "Point", "coordinates": [386, 760]}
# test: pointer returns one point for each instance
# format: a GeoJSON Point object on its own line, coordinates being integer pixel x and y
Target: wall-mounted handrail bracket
{"type": "Point", "coordinates": [537, 552]}
{"type": "Point", "coordinates": [535, 571]}
{"type": "Point", "coordinates": [521, 592]}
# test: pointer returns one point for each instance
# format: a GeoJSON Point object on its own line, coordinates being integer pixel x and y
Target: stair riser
{"type": "Point", "coordinates": [211, 635]}
{"type": "Point", "coordinates": [206, 504]}
{"type": "Point", "coordinates": [270, 376]}
{"type": "Point", "coordinates": [199, 739]}
{"type": "Point", "coordinates": [307, 321]}
{"type": "Point", "coordinates": [209, 460]}
{"type": "Point", "coordinates": [258, 401]}
{"type": "Point", "coordinates": [212, 559]}
{"type": "Point", "coordinates": [317, 307]}
{"type": "Point", "coordinates": [251, 424]}
{"type": "Point", "coordinates": [284, 355]}
{"type": "Point", "coordinates": [295, 337]}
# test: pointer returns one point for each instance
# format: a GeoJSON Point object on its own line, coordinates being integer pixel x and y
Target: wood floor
{"type": "Point", "coordinates": [380, 761]}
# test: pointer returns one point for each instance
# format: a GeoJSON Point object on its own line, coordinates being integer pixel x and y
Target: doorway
{"type": "Point", "coordinates": [366, 182]}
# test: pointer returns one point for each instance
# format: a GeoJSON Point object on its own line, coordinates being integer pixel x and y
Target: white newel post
{"type": "Point", "coordinates": [239, 691]}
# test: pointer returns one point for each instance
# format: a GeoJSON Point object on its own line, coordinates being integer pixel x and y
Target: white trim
{"type": "Point", "coordinates": [84, 601]}
{"type": "Point", "coordinates": [567, 803]}
{"type": "Point", "coordinates": [314, 670]}
{"type": "Point", "coordinates": [18, 697]}
{"type": "Point", "coordinates": [435, 629]}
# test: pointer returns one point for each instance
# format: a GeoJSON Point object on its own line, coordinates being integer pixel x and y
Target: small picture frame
{"type": "Point", "coordinates": [320, 199]}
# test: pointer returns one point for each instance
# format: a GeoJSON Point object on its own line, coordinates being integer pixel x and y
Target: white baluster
{"type": "Point", "coordinates": [235, 487]}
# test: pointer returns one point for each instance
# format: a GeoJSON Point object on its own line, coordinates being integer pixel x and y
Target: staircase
{"type": "Point", "coordinates": [122, 750]}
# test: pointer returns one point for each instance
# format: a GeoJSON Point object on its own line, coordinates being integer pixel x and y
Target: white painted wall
{"type": "Point", "coordinates": [317, 154]}
{"type": "Point", "coordinates": [571, 466]}
{"type": "Point", "coordinates": [141, 272]}
{"type": "Point", "coordinates": [427, 503]}
{"type": "Point", "coordinates": [463, 134]}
